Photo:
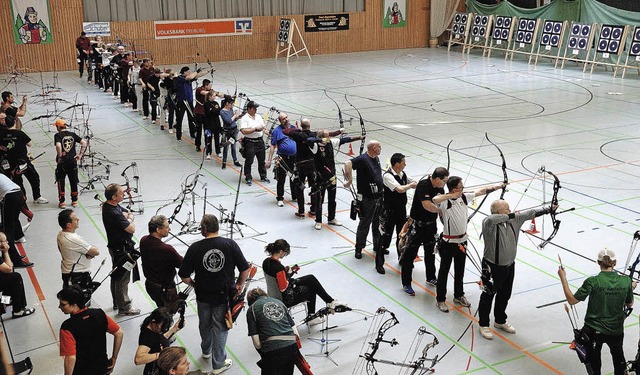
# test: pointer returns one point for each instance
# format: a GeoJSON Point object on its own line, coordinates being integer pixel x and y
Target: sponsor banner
{"type": "Point", "coordinates": [97, 28]}
{"type": "Point", "coordinates": [326, 22]}
{"type": "Point", "coordinates": [31, 21]}
{"type": "Point", "coordinates": [201, 28]}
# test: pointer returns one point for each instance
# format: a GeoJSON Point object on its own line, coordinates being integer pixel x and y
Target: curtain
{"type": "Point", "coordinates": [442, 13]}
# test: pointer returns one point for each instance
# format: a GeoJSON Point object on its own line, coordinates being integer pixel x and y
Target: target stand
{"type": "Point", "coordinates": [479, 33]}
{"type": "Point", "coordinates": [579, 44]}
{"type": "Point", "coordinates": [632, 61]}
{"type": "Point", "coordinates": [551, 40]}
{"type": "Point", "coordinates": [502, 34]}
{"type": "Point", "coordinates": [611, 40]}
{"type": "Point", "coordinates": [524, 38]}
{"type": "Point", "coordinates": [285, 44]}
{"type": "Point", "coordinates": [459, 30]}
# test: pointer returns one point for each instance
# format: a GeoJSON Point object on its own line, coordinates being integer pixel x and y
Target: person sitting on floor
{"type": "Point", "coordinates": [295, 290]}
{"type": "Point", "coordinates": [11, 282]}
{"type": "Point", "coordinates": [155, 334]}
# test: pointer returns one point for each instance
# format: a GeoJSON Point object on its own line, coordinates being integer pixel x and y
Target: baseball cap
{"type": "Point", "coordinates": [60, 123]}
{"type": "Point", "coordinates": [606, 252]}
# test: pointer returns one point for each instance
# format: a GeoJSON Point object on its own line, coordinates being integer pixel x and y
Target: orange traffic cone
{"type": "Point", "coordinates": [532, 227]}
{"type": "Point", "coordinates": [351, 153]}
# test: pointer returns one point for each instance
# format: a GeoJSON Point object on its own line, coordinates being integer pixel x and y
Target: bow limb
{"type": "Point", "coordinates": [554, 205]}
{"type": "Point", "coordinates": [363, 129]}
{"type": "Point", "coordinates": [340, 119]}
{"type": "Point", "coordinates": [449, 155]}
{"type": "Point", "coordinates": [505, 178]}
{"type": "Point", "coordinates": [632, 270]}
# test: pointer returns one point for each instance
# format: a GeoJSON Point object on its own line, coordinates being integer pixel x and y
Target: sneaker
{"type": "Point", "coordinates": [198, 149]}
{"type": "Point", "coordinates": [462, 301]}
{"type": "Point", "coordinates": [312, 213]}
{"type": "Point", "coordinates": [21, 240]}
{"type": "Point", "coordinates": [206, 355]}
{"type": "Point", "coordinates": [442, 306]}
{"type": "Point", "coordinates": [129, 312]}
{"type": "Point", "coordinates": [227, 365]}
{"type": "Point", "coordinates": [358, 254]}
{"type": "Point", "coordinates": [335, 303]}
{"type": "Point", "coordinates": [409, 290]}
{"type": "Point", "coordinates": [316, 321]}
{"type": "Point", "coordinates": [265, 179]}
{"type": "Point", "coordinates": [41, 200]}
{"type": "Point", "coordinates": [74, 204]}
{"type": "Point", "coordinates": [237, 164]}
{"type": "Point", "coordinates": [300, 215]}
{"type": "Point", "coordinates": [280, 204]}
{"type": "Point", "coordinates": [208, 157]}
{"type": "Point", "coordinates": [179, 140]}
{"type": "Point", "coordinates": [334, 222]}
{"type": "Point", "coordinates": [62, 205]}
{"type": "Point", "coordinates": [219, 154]}
{"type": "Point", "coordinates": [505, 327]}
{"type": "Point", "coordinates": [380, 270]}
{"type": "Point", "coordinates": [318, 226]}
{"type": "Point", "coordinates": [224, 165]}
{"type": "Point", "coordinates": [24, 312]}
{"type": "Point", "coordinates": [171, 131]}
{"type": "Point", "coordinates": [433, 282]}
{"type": "Point", "coordinates": [485, 332]}
{"type": "Point", "coordinates": [145, 118]}
{"type": "Point", "coordinates": [249, 183]}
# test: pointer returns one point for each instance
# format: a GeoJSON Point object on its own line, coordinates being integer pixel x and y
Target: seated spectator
{"type": "Point", "coordinates": [11, 282]}
{"type": "Point", "coordinates": [155, 334]}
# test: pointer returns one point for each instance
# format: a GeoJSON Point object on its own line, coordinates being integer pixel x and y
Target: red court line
{"type": "Point", "coordinates": [32, 275]}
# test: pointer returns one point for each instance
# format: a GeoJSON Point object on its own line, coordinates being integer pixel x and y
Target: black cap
{"type": "Point", "coordinates": [252, 104]}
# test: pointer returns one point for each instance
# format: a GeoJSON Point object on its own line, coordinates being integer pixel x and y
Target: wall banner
{"type": "Point", "coordinates": [31, 21]}
{"type": "Point", "coordinates": [394, 13]}
{"type": "Point", "coordinates": [202, 28]}
{"type": "Point", "coordinates": [326, 22]}
{"type": "Point", "coordinates": [97, 28]}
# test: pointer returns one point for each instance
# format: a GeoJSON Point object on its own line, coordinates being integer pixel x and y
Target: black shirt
{"type": "Point", "coordinates": [424, 191]}
{"type": "Point", "coordinates": [213, 261]}
{"type": "Point", "coordinates": [68, 141]}
{"type": "Point", "coordinates": [212, 115]}
{"type": "Point", "coordinates": [114, 223]}
{"type": "Point", "coordinates": [155, 342]}
{"type": "Point", "coordinates": [370, 183]}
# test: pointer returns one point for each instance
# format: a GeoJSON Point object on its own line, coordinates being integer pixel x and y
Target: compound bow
{"type": "Point", "coordinates": [131, 190]}
{"type": "Point", "coordinates": [554, 205]}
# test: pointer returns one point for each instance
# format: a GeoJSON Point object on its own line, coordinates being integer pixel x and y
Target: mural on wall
{"type": "Point", "coordinates": [394, 13]}
{"type": "Point", "coordinates": [31, 21]}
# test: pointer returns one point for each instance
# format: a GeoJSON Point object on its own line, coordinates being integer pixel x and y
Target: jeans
{"type": "Point", "coordinates": [370, 217]}
{"type": "Point", "coordinates": [213, 331]}
{"type": "Point", "coordinates": [230, 134]}
{"type": "Point", "coordinates": [456, 253]}
{"type": "Point", "coordinates": [502, 277]}
{"type": "Point", "coordinates": [120, 287]}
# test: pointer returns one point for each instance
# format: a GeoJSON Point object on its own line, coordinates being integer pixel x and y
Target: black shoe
{"type": "Point", "coordinates": [358, 254]}
{"type": "Point", "coordinates": [198, 149]}
{"type": "Point", "coordinates": [265, 179]}
{"type": "Point", "coordinates": [22, 264]}
{"type": "Point", "coordinates": [224, 165]}
{"type": "Point", "coordinates": [386, 252]}
{"type": "Point", "coordinates": [236, 163]}
{"type": "Point", "coordinates": [380, 270]}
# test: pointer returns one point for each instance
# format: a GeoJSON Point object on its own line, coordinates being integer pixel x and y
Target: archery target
{"type": "Point", "coordinates": [609, 40]}
{"type": "Point", "coordinates": [551, 33]}
{"type": "Point", "coordinates": [524, 33]}
{"type": "Point", "coordinates": [579, 38]}
{"type": "Point", "coordinates": [635, 43]}
{"type": "Point", "coordinates": [459, 24]}
{"type": "Point", "coordinates": [480, 26]}
{"type": "Point", "coordinates": [285, 27]}
{"type": "Point", "coordinates": [502, 28]}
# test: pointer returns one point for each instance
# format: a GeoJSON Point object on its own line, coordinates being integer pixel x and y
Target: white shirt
{"type": "Point", "coordinates": [73, 247]}
{"type": "Point", "coordinates": [454, 219]}
{"type": "Point", "coordinates": [7, 186]}
{"type": "Point", "coordinates": [390, 181]}
{"type": "Point", "coordinates": [248, 122]}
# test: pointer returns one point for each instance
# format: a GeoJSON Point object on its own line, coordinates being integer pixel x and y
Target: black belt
{"type": "Point", "coordinates": [254, 140]}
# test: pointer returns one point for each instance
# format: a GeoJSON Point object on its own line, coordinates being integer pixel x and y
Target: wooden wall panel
{"type": "Point", "coordinates": [365, 34]}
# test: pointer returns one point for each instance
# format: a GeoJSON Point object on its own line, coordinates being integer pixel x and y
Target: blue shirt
{"type": "Point", "coordinates": [183, 89]}
{"type": "Point", "coordinates": [227, 119]}
{"type": "Point", "coordinates": [286, 145]}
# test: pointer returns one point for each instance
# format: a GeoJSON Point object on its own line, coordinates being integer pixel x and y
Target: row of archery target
{"type": "Point", "coordinates": [523, 35]}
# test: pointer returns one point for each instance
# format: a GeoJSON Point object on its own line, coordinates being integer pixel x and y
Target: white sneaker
{"type": "Point", "coordinates": [318, 226]}
{"type": "Point", "coordinates": [227, 365]}
{"type": "Point", "coordinates": [485, 332]}
{"type": "Point", "coordinates": [332, 305]}
{"type": "Point", "coordinates": [42, 200]}
{"type": "Point", "coordinates": [316, 321]}
{"type": "Point", "coordinates": [280, 204]}
{"type": "Point", "coordinates": [171, 131]}
{"type": "Point", "coordinates": [219, 154]}
{"type": "Point", "coordinates": [208, 157]}
{"type": "Point", "coordinates": [206, 355]}
{"type": "Point", "coordinates": [334, 222]}
{"type": "Point", "coordinates": [505, 327]}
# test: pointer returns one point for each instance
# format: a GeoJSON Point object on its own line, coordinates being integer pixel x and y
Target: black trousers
{"type": "Point", "coordinates": [11, 284]}
{"type": "Point", "coordinates": [198, 124]}
{"type": "Point", "coordinates": [287, 165]}
{"type": "Point", "coordinates": [502, 278]}
{"type": "Point", "coordinates": [145, 102]}
{"type": "Point", "coordinates": [425, 236]}
{"type": "Point", "coordinates": [254, 149]}
{"type": "Point", "coordinates": [67, 170]}
{"type": "Point", "coordinates": [184, 106]}
{"type": "Point", "coordinates": [34, 180]}
{"type": "Point", "coordinates": [11, 207]}
{"type": "Point", "coordinates": [306, 171]}
{"type": "Point", "coordinates": [306, 289]}
{"type": "Point", "coordinates": [369, 218]}
{"type": "Point", "coordinates": [171, 111]}
{"type": "Point", "coordinates": [280, 361]}
{"type": "Point", "coordinates": [328, 189]}
{"type": "Point", "coordinates": [594, 351]}
{"type": "Point", "coordinates": [456, 253]}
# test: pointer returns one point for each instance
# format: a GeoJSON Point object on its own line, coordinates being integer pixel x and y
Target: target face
{"type": "Point", "coordinates": [548, 27]}
{"type": "Point", "coordinates": [528, 38]}
{"type": "Point", "coordinates": [522, 25]}
{"type": "Point", "coordinates": [609, 40]}
{"type": "Point", "coordinates": [613, 46]}
{"type": "Point", "coordinates": [586, 30]}
{"type": "Point", "coordinates": [507, 22]}
{"type": "Point", "coordinates": [485, 20]}
{"type": "Point", "coordinates": [575, 30]}
{"type": "Point", "coordinates": [636, 34]}
{"type": "Point", "coordinates": [455, 29]}
{"type": "Point", "coordinates": [497, 33]}
{"type": "Point", "coordinates": [582, 44]}
{"type": "Point", "coordinates": [463, 18]}
{"type": "Point", "coordinates": [463, 29]}
{"type": "Point", "coordinates": [635, 49]}
{"type": "Point", "coordinates": [546, 40]}
{"type": "Point", "coordinates": [283, 33]}
{"type": "Point", "coordinates": [557, 27]}
{"type": "Point", "coordinates": [573, 42]}
{"type": "Point", "coordinates": [477, 20]}
{"type": "Point", "coordinates": [459, 24]}
{"type": "Point", "coordinates": [531, 25]}
{"type": "Point", "coordinates": [483, 30]}
{"type": "Point", "coordinates": [475, 31]}
{"type": "Point", "coordinates": [617, 33]}
{"type": "Point", "coordinates": [555, 40]}
{"type": "Point", "coordinates": [551, 33]}
{"type": "Point", "coordinates": [457, 18]}
{"type": "Point", "coordinates": [499, 21]}
{"type": "Point", "coordinates": [603, 45]}
{"type": "Point", "coordinates": [505, 34]}
{"type": "Point", "coordinates": [605, 33]}
{"type": "Point", "coordinates": [520, 36]}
